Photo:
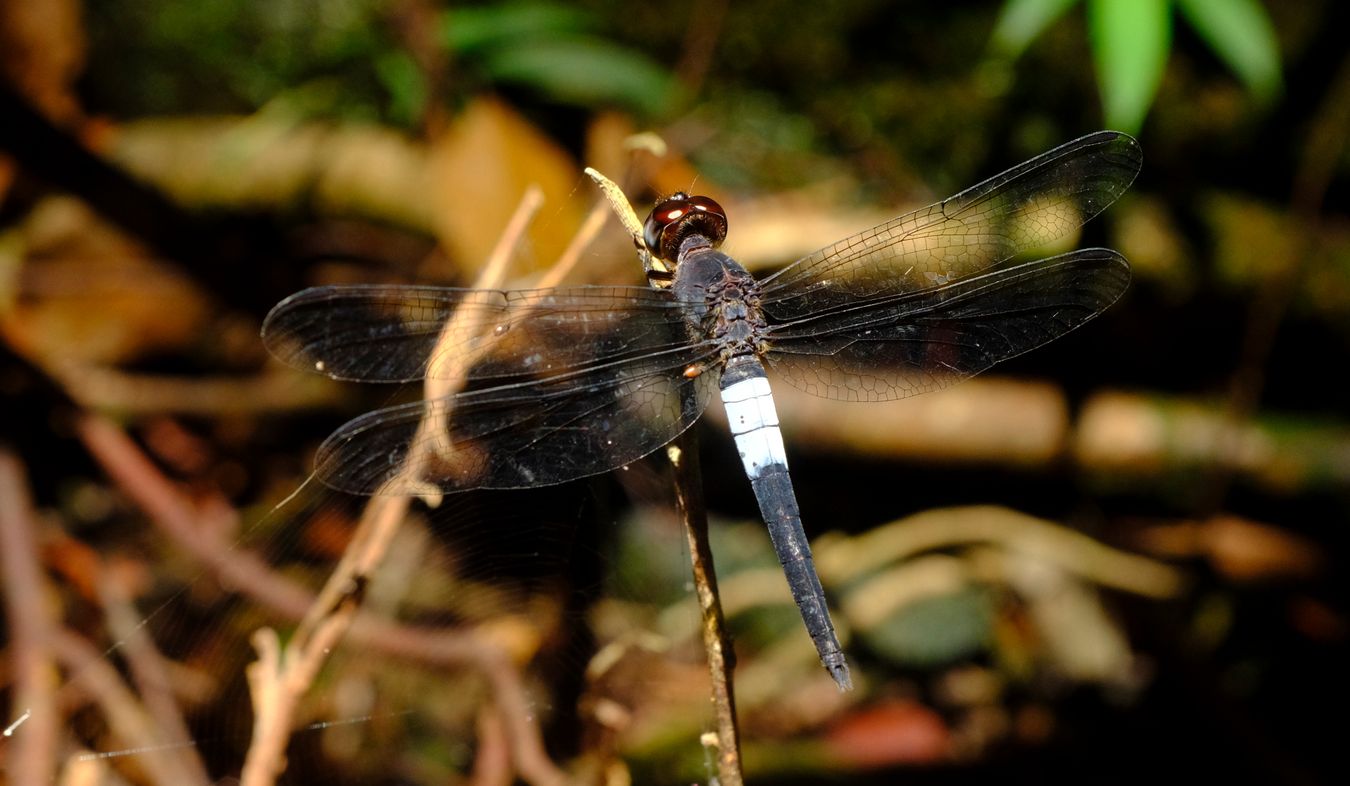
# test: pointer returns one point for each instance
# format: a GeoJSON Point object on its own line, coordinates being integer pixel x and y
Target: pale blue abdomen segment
{"type": "Point", "coordinates": [754, 424]}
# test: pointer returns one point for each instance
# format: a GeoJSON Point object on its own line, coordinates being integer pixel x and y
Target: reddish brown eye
{"type": "Point", "coordinates": [679, 216]}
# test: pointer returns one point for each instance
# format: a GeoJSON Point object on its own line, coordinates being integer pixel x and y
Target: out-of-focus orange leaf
{"type": "Point", "coordinates": [900, 732]}
{"type": "Point", "coordinates": [1241, 549]}
{"type": "Point", "coordinates": [42, 52]}
{"type": "Point", "coordinates": [186, 452]}
{"type": "Point", "coordinates": [7, 172]}
{"type": "Point", "coordinates": [1252, 551]}
{"type": "Point", "coordinates": [81, 568]}
{"type": "Point", "coordinates": [609, 148]}
{"type": "Point", "coordinates": [77, 563]}
{"type": "Point", "coordinates": [482, 166]}
{"type": "Point", "coordinates": [86, 293]}
{"type": "Point", "coordinates": [328, 533]}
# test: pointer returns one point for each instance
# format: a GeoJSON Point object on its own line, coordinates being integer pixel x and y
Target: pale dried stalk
{"type": "Point", "coordinates": [280, 676]}
{"type": "Point", "coordinates": [32, 759]}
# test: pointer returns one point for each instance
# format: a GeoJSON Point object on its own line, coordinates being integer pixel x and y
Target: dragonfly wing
{"type": "Point", "coordinates": [404, 334]}
{"type": "Point", "coordinates": [1022, 209]}
{"type": "Point", "coordinates": [903, 344]}
{"type": "Point", "coordinates": [536, 433]}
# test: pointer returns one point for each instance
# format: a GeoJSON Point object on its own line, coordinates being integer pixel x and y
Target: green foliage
{"type": "Point", "coordinates": [1131, 40]}
{"type": "Point", "coordinates": [230, 56]}
{"type": "Point", "coordinates": [345, 58]}
{"type": "Point", "coordinates": [403, 81]}
{"type": "Point", "coordinates": [475, 30]}
{"type": "Point", "coordinates": [1240, 33]}
{"type": "Point", "coordinates": [548, 47]}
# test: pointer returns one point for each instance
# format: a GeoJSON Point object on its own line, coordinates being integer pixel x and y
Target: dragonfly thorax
{"type": "Point", "coordinates": [722, 301]}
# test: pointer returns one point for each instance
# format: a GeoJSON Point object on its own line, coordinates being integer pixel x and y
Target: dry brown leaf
{"type": "Point", "coordinates": [1247, 550]}
{"type": "Point", "coordinates": [1242, 549]}
{"type": "Point", "coordinates": [614, 145]}
{"type": "Point", "coordinates": [88, 294]}
{"type": "Point", "coordinates": [42, 52]}
{"type": "Point", "coordinates": [482, 166]}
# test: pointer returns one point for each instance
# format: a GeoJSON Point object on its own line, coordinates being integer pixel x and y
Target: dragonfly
{"type": "Point", "coordinates": [568, 382]}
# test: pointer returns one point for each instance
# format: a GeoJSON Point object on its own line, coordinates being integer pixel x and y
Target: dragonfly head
{"type": "Point", "coordinates": [679, 217]}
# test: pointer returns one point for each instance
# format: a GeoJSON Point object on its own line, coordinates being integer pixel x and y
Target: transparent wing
{"type": "Point", "coordinates": [589, 420]}
{"type": "Point", "coordinates": [898, 345]}
{"type": "Point", "coordinates": [1023, 208]}
{"type": "Point", "coordinates": [388, 333]}
{"type": "Point", "coordinates": [559, 383]}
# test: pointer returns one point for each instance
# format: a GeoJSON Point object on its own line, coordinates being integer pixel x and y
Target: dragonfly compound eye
{"type": "Point", "coordinates": [674, 219]}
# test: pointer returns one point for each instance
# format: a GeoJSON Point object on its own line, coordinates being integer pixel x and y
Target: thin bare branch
{"type": "Point", "coordinates": [189, 528]}
{"type": "Point", "coordinates": [33, 729]}
{"type": "Point", "coordinates": [149, 674]}
{"type": "Point", "coordinates": [130, 724]}
{"type": "Point", "coordinates": [716, 641]}
{"type": "Point", "coordinates": [282, 675]}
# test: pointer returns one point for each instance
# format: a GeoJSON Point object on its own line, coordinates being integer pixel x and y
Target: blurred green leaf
{"type": "Point", "coordinates": [1240, 32]}
{"type": "Point", "coordinates": [546, 46]}
{"type": "Point", "coordinates": [583, 70]}
{"type": "Point", "coordinates": [466, 30]}
{"type": "Point", "coordinates": [1130, 41]}
{"type": "Point", "coordinates": [1021, 21]}
{"type": "Point", "coordinates": [936, 630]}
{"type": "Point", "coordinates": [403, 80]}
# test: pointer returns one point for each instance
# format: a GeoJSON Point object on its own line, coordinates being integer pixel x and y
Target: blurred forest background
{"type": "Point", "coordinates": [1121, 557]}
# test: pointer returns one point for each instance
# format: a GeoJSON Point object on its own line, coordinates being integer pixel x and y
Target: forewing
{"type": "Point", "coordinates": [1023, 208]}
{"type": "Point", "coordinates": [900, 345]}
{"type": "Point", "coordinates": [546, 431]}
{"type": "Point", "coordinates": [405, 333]}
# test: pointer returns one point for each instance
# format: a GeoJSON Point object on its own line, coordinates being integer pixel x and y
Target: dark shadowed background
{"type": "Point", "coordinates": [1119, 558]}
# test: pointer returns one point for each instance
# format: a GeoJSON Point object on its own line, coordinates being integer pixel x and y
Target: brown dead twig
{"type": "Point", "coordinates": [201, 533]}
{"type": "Point", "coordinates": [131, 726]}
{"type": "Point", "coordinates": [282, 675]}
{"type": "Point", "coordinates": [32, 758]}
{"type": "Point", "coordinates": [716, 640]}
{"type": "Point", "coordinates": [149, 672]}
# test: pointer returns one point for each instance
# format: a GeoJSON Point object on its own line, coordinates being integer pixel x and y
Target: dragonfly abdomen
{"type": "Point", "coordinates": [754, 425]}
